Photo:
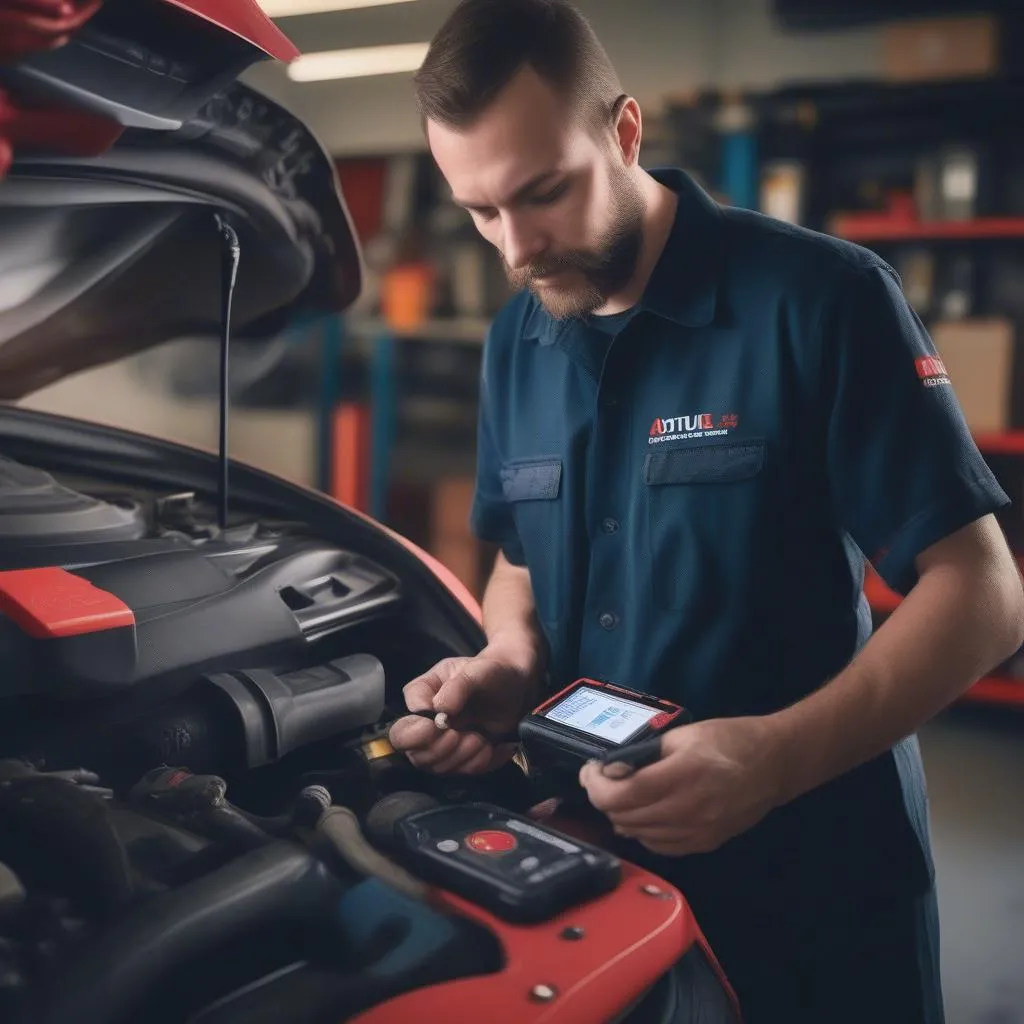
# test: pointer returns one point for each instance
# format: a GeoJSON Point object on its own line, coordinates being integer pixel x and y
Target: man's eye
{"type": "Point", "coordinates": [553, 196]}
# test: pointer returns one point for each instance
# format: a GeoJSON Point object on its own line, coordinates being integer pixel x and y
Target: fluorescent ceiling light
{"type": "Point", "coordinates": [358, 63]}
{"type": "Point", "coordinates": [291, 8]}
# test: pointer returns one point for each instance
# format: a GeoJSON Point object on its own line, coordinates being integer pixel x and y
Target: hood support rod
{"type": "Point", "coordinates": [230, 255]}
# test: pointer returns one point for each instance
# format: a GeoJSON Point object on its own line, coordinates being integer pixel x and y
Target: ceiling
{"type": "Point", "coordinates": [660, 47]}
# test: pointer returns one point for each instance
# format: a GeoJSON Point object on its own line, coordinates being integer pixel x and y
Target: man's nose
{"type": "Point", "coordinates": [522, 245]}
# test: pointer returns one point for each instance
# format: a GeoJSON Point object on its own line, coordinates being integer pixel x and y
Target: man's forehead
{"type": "Point", "coordinates": [483, 169]}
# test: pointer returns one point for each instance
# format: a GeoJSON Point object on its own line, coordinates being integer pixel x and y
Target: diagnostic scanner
{"type": "Point", "coordinates": [593, 720]}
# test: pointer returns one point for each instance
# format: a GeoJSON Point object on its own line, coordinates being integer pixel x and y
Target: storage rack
{"type": "Point", "coordinates": [838, 133]}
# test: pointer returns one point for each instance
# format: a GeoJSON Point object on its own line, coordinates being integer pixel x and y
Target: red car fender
{"type": "Point", "coordinates": [630, 938]}
{"type": "Point", "coordinates": [452, 582]}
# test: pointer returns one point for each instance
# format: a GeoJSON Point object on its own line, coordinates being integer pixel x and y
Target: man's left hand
{"type": "Point", "coordinates": [715, 779]}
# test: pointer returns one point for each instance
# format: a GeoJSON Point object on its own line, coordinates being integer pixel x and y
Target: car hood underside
{"type": "Point", "coordinates": [110, 251]}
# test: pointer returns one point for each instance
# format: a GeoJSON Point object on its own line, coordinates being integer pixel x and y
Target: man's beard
{"type": "Point", "coordinates": [604, 270]}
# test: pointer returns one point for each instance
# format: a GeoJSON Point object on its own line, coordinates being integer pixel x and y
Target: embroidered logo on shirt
{"type": "Point", "coordinates": [932, 371]}
{"type": "Point", "coordinates": [701, 424]}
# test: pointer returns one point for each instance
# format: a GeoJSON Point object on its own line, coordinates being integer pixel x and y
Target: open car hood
{"type": "Point", "coordinates": [124, 138]}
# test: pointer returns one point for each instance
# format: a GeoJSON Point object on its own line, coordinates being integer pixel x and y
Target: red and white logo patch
{"type": "Point", "coordinates": [699, 424]}
{"type": "Point", "coordinates": [932, 371]}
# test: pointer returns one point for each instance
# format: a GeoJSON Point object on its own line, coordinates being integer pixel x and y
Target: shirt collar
{"type": "Point", "coordinates": [684, 284]}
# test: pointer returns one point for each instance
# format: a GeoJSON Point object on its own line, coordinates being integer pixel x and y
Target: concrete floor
{"type": "Point", "coordinates": [974, 760]}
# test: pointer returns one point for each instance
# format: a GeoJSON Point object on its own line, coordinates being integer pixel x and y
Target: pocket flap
{"type": "Point", "coordinates": [707, 464]}
{"type": "Point", "coordinates": [531, 479]}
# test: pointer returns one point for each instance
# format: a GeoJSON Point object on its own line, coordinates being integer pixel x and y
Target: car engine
{"type": "Point", "coordinates": [179, 704]}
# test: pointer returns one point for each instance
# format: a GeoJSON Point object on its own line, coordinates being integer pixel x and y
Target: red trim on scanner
{"type": "Point", "coordinates": [51, 603]}
{"type": "Point", "coordinates": [673, 710]}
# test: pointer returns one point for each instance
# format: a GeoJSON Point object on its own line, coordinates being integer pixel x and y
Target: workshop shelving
{"type": "Point", "coordinates": [1009, 442]}
{"type": "Point", "coordinates": [873, 230]}
{"type": "Point", "coordinates": [928, 174]}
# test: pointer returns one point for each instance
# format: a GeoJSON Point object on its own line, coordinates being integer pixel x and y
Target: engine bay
{"type": "Point", "coordinates": [198, 797]}
{"type": "Point", "coordinates": [162, 779]}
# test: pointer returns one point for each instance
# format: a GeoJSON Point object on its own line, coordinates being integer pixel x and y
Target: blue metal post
{"type": "Point", "coordinates": [331, 345]}
{"type": "Point", "coordinates": [384, 416]}
{"type": "Point", "coordinates": [740, 172]}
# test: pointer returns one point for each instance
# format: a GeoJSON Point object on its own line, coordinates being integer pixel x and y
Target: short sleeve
{"type": "Point", "coordinates": [903, 467]}
{"type": "Point", "coordinates": [492, 518]}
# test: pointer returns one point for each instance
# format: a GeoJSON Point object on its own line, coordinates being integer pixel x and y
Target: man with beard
{"type": "Point", "coordinates": [696, 423]}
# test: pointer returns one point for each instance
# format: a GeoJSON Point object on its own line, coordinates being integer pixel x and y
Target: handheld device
{"type": "Point", "coordinates": [595, 720]}
{"type": "Point", "coordinates": [517, 868]}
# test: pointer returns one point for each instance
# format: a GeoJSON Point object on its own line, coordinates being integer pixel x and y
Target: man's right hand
{"type": "Point", "coordinates": [489, 692]}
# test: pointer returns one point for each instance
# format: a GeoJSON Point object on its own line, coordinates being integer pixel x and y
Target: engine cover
{"type": "Point", "coordinates": [184, 610]}
{"type": "Point", "coordinates": [36, 510]}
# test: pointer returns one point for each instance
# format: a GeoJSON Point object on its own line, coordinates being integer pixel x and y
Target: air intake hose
{"type": "Point", "coordinates": [108, 979]}
{"type": "Point", "coordinates": [56, 833]}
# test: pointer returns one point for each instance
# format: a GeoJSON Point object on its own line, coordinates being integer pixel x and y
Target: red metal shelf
{"type": "Point", "coordinates": [890, 229]}
{"type": "Point", "coordinates": [991, 690]}
{"type": "Point", "coordinates": [879, 596]}
{"type": "Point", "coordinates": [1004, 692]}
{"type": "Point", "coordinates": [1010, 442]}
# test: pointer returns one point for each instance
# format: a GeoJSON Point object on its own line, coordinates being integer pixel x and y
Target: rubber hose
{"type": "Point", "coordinates": [12, 892]}
{"type": "Point", "coordinates": [341, 827]}
{"type": "Point", "coordinates": [50, 827]}
{"type": "Point", "coordinates": [110, 976]}
{"type": "Point", "coordinates": [228, 824]}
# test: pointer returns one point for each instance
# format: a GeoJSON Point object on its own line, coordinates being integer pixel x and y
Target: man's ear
{"type": "Point", "coordinates": [628, 130]}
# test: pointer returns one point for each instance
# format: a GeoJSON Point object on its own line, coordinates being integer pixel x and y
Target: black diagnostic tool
{"type": "Point", "coordinates": [518, 869]}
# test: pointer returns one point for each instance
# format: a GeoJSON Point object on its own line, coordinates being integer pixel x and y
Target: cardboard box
{"type": "Point", "coordinates": [452, 502]}
{"type": "Point", "coordinates": [978, 356]}
{"type": "Point", "coordinates": [937, 48]}
{"type": "Point", "coordinates": [451, 541]}
{"type": "Point", "coordinates": [463, 558]}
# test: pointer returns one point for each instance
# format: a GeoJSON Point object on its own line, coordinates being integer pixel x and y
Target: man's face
{"type": "Point", "coordinates": [553, 197]}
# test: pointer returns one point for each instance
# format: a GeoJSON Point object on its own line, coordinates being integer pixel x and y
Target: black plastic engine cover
{"type": "Point", "coordinates": [35, 510]}
{"type": "Point", "coordinates": [196, 611]}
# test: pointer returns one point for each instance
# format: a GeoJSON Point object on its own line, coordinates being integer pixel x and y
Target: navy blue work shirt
{"type": "Point", "coordinates": [695, 485]}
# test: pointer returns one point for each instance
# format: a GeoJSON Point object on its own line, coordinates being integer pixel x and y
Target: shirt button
{"type": "Point", "coordinates": [610, 525]}
{"type": "Point", "coordinates": [608, 620]}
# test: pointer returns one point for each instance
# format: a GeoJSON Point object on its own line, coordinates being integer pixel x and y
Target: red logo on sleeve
{"type": "Point", "coordinates": [932, 371]}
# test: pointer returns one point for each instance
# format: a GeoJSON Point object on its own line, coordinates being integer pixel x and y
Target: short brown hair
{"type": "Point", "coordinates": [484, 43]}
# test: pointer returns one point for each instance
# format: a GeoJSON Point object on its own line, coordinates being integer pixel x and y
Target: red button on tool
{"type": "Point", "coordinates": [51, 602]}
{"type": "Point", "coordinates": [491, 841]}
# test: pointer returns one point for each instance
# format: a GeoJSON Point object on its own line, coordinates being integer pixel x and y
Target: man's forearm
{"type": "Point", "coordinates": [952, 628]}
{"type": "Point", "coordinates": [510, 619]}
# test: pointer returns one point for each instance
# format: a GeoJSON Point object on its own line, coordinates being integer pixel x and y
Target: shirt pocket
{"type": "Point", "coordinates": [704, 520]}
{"type": "Point", "coordinates": [533, 488]}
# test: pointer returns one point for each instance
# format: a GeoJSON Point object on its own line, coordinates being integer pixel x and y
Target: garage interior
{"type": "Point", "coordinates": [892, 123]}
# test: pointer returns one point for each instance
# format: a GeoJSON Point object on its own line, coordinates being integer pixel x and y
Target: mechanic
{"type": "Point", "coordinates": [696, 423]}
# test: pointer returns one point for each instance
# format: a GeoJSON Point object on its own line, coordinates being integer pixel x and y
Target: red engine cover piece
{"type": "Point", "coordinates": [584, 966]}
{"type": "Point", "coordinates": [51, 603]}
{"type": "Point", "coordinates": [28, 26]}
